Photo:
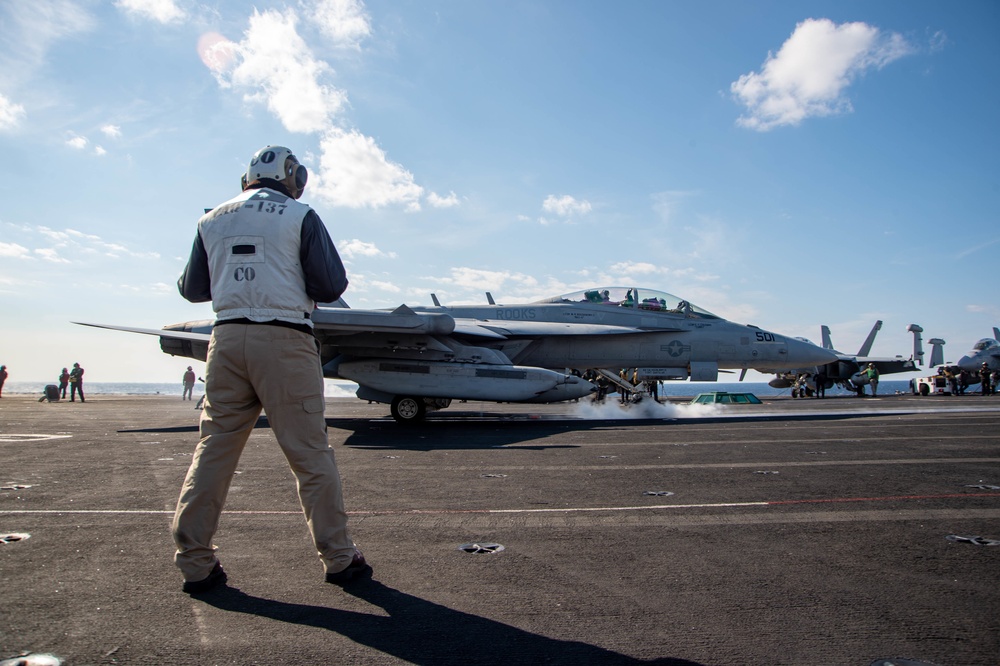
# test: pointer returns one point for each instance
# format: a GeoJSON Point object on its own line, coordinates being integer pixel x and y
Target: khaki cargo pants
{"type": "Point", "coordinates": [250, 367]}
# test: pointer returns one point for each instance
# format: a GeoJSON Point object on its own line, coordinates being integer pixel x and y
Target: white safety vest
{"type": "Point", "coordinates": [252, 242]}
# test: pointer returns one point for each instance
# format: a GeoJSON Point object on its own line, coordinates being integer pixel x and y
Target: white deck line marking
{"type": "Point", "coordinates": [734, 465]}
{"type": "Point", "coordinates": [424, 512]}
{"type": "Point", "coordinates": [29, 437]}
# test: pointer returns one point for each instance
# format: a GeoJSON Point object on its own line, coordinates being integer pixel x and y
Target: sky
{"type": "Point", "coordinates": [783, 164]}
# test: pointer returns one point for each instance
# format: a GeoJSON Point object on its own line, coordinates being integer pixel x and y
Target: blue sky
{"type": "Point", "coordinates": [784, 164]}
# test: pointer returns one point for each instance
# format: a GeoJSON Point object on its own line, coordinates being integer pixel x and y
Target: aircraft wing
{"type": "Point", "coordinates": [405, 320]}
{"type": "Point", "coordinates": [335, 322]}
{"type": "Point", "coordinates": [159, 332]}
{"type": "Point", "coordinates": [888, 366]}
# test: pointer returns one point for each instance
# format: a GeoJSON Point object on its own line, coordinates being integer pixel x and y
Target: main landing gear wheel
{"type": "Point", "coordinates": [407, 409]}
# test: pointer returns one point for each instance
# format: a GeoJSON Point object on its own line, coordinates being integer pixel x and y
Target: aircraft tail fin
{"type": "Point", "coordinates": [937, 352]}
{"type": "Point", "coordinates": [996, 334]}
{"type": "Point", "coordinates": [825, 332]}
{"type": "Point", "coordinates": [866, 348]}
{"type": "Point", "coordinates": [918, 348]}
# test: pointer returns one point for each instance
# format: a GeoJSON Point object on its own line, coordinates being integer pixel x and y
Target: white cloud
{"type": "Point", "coordinates": [991, 310]}
{"type": "Point", "coordinates": [355, 172]}
{"type": "Point", "coordinates": [277, 68]}
{"type": "Point", "coordinates": [565, 206]}
{"type": "Point", "coordinates": [112, 131]}
{"type": "Point", "coordinates": [977, 248]}
{"type": "Point", "coordinates": [10, 113]}
{"type": "Point", "coordinates": [478, 279]}
{"type": "Point", "coordinates": [344, 21]}
{"type": "Point", "coordinates": [99, 151]}
{"type": "Point", "coordinates": [162, 11]}
{"type": "Point", "coordinates": [437, 201]}
{"type": "Point", "coordinates": [13, 250]}
{"type": "Point", "coordinates": [76, 141]}
{"type": "Point", "coordinates": [218, 53]}
{"type": "Point", "coordinates": [939, 40]}
{"type": "Point", "coordinates": [30, 29]}
{"type": "Point", "coordinates": [810, 73]}
{"type": "Point", "coordinates": [273, 65]}
{"type": "Point", "coordinates": [163, 288]}
{"type": "Point", "coordinates": [386, 286]}
{"type": "Point", "coordinates": [665, 204]}
{"type": "Point", "coordinates": [78, 242]}
{"type": "Point", "coordinates": [52, 255]}
{"type": "Point", "coordinates": [357, 248]}
{"type": "Point", "coordinates": [637, 268]}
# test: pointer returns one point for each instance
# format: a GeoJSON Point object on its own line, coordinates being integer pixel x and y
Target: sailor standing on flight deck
{"type": "Point", "coordinates": [264, 260]}
{"type": "Point", "coordinates": [188, 381]}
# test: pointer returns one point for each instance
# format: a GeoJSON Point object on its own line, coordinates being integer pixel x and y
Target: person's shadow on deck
{"type": "Point", "coordinates": [422, 632]}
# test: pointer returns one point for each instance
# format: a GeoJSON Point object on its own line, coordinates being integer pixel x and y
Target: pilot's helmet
{"type": "Point", "coordinates": [280, 164]}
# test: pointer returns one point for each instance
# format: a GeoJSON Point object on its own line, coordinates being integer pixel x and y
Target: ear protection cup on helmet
{"type": "Point", "coordinates": [299, 174]}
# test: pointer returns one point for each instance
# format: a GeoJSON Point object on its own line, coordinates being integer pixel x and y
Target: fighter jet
{"type": "Point", "coordinates": [846, 370]}
{"type": "Point", "coordinates": [421, 358]}
{"type": "Point", "coordinates": [985, 351]}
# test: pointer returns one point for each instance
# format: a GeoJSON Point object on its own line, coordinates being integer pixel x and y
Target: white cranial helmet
{"type": "Point", "coordinates": [280, 164]}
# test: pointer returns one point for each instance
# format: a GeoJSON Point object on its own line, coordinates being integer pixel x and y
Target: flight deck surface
{"type": "Point", "coordinates": [837, 531]}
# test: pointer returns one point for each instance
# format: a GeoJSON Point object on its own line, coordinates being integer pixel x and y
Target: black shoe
{"type": "Point", "coordinates": [214, 579]}
{"type": "Point", "coordinates": [358, 568]}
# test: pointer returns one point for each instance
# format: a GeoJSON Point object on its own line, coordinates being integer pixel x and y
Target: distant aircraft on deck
{"type": "Point", "coordinates": [986, 351]}
{"type": "Point", "coordinates": [846, 370]}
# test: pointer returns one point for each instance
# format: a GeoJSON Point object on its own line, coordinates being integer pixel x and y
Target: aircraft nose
{"type": "Point", "coordinates": [970, 364]}
{"type": "Point", "coordinates": [805, 354]}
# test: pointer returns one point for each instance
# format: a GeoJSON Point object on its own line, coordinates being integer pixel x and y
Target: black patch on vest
{"type": "Point", "coordinates": [244, 249]}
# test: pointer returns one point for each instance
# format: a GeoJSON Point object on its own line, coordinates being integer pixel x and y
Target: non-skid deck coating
{"type": "Point", "coordinates": [793, 532]}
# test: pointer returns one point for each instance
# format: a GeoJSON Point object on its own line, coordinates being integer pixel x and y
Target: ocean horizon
{"type": "Point", "coordinates": [344, 389]}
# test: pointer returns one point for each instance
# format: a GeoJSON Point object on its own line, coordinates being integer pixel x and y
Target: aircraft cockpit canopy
{"type": "Point", "coordinates": [630, 297]}
{"type": "Point", "coordinates": [986, 343]}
